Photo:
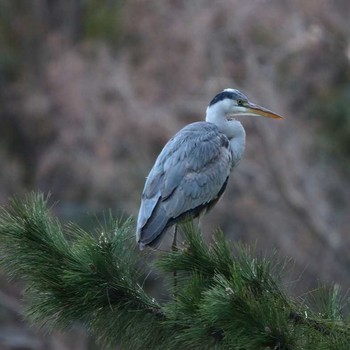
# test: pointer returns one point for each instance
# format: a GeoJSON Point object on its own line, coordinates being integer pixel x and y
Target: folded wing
{"type": "Point", "coordinates": [188, 175]}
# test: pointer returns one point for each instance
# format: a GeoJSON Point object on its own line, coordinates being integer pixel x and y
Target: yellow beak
{"type": "Point", "coordinates": [255, 110]}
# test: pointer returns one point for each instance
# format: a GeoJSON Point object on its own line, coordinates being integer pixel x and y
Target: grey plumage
{"type": "Point", "coordinates": [191, 172]}
{"type": "Point", "coordinates": [192, 166]}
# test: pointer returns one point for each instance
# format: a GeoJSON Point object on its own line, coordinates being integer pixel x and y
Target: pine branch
{"type": "Point", "coordinates": [91, 280]}
{"type": "Point", "coordinates": [225, 298]}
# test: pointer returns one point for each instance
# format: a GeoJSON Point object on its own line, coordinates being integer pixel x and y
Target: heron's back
{"type": "Point", "coordinates": [187, 177]}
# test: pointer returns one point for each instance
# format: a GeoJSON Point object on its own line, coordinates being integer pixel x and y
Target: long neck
{"type": "Point", "coordinates": [233, 129]}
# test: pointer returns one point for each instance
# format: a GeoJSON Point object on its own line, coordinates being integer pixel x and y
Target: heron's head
{"type": "Point", "coordinates": [232, 103]}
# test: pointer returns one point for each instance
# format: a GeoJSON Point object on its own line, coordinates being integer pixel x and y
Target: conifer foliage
{"type": "Point", "coordinates": [220, 297]}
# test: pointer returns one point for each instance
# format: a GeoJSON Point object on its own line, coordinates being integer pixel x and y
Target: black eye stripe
{"type": "Point", "coordinates": [228, 94]}
{"type": "Point", "coordinates": [221, 96]}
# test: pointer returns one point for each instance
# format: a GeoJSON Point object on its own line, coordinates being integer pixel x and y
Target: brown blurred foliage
{"type": "Point", "coordinates": [91, 90]}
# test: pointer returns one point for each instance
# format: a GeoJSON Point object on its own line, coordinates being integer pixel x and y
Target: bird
{"type": "Point", "coordinates": [191, 172]}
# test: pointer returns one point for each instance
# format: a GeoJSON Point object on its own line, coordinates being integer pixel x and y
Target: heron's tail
{"type": "Point", "coordinates": [151, 233]}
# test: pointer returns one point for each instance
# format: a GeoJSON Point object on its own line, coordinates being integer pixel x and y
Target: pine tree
{"type": "Point", "coordinates": [220, 297]}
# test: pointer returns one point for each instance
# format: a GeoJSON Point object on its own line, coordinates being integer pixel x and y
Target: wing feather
{"type": "Point", "coordinates": [189, 172]}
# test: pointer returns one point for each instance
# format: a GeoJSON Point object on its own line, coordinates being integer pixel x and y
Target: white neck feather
{"type": "Point", "coordinates": [233, 129]}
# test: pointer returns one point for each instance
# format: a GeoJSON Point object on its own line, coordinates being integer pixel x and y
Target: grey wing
{"type": "Point", "coordinates": [189, 172]}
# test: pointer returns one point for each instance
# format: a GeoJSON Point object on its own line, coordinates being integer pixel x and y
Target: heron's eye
{"type": "Point", "coordinates": [239, 102]}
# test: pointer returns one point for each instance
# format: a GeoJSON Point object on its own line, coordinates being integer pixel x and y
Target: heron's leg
{"type": "Point", "coordinates": [200, 223]}
{"type": "Point", "coordinates": [174, 244]}
{"type": "Point", "coordinates": [174, 249]}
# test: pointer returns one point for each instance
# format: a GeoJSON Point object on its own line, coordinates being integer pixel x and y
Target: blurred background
{"type": "Point", "coordinates": [90, 91]}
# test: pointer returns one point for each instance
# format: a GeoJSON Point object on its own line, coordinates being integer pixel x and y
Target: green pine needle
{"type": "Point", "coordinates": [225, 297]}
{"type": "Point", "coordinates": [91, 280]}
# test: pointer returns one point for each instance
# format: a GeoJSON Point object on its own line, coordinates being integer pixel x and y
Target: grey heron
{"type": "Point", "coordinates": [191, 172]}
